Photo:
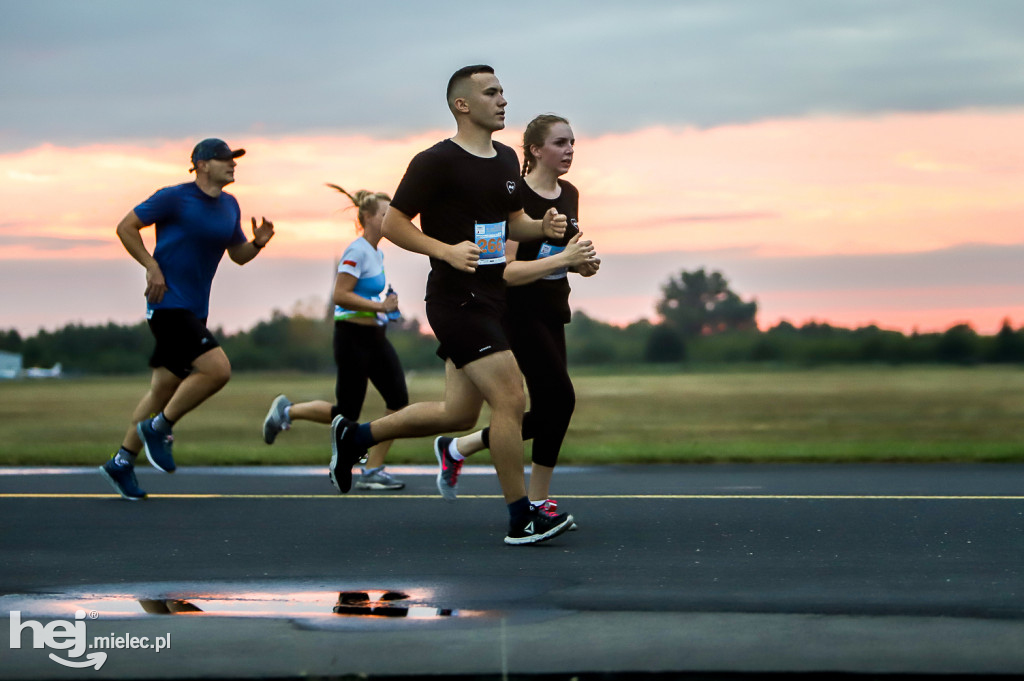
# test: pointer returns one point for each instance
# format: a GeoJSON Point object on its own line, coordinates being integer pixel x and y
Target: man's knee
{"type": "Point", "coordinates": [215, 366]}
{"type": "Point", "coordinates": [222, 374]}
{"type": "Point", "coordinates": [460, 419]}
{"type": "Point", "coordinates": [509, 400]}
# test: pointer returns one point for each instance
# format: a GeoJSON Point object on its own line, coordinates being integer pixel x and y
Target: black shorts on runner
{"type": "Point", "coordinates": [181, 337]}
{"type": "Point", "coordinates": [467, 330]}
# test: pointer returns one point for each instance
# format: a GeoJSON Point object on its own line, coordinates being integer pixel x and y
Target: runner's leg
{"type": "Point", "coordinates": [211, 371]}
{"type": "Point", "coordinates": [498, 380]}
{"type": "Point", "coordinates": [162, 386]}
{"type": "Point", "coordinates": [459, 410]}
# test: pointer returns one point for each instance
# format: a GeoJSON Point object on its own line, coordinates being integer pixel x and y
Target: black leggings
{"type": "Point", "coordinates": [539, 347]}
{"type": "Point", "coordinates": [364, 354]}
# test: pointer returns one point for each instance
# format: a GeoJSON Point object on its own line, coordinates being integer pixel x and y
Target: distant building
{"type": "Point", "coordinates": [10, 365]}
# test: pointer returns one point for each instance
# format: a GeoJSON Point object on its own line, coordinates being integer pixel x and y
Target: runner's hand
{"type": "Point", "coordinates": [391, 302]}
{"type": "Point", "coordinates": [553, 224]}
{"type": "Point", "coordinates": [463, 256]}
{"type": "Point", "coordinates": [589, 268]}
{"type": "Point", "coordinates": [263, 233]}
{"type": "Point", "coordinates": [577, 252]}
{"type": "Point", "coordinates": [156, 285]}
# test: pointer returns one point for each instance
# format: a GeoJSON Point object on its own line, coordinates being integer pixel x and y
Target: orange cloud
{"type": "Point", "coordinates": [898, 183]}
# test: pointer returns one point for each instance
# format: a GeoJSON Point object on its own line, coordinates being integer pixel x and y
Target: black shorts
{"type": "Point", "coordinates": [181, 337]}
{"type": "Point", "coordinates": [467, 330]}
{"type": "Point", "coordinates": [365, 355]}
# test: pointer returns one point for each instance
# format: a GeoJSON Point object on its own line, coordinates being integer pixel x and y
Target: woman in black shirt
{"type": "Point", "coordinates": [538, 305]}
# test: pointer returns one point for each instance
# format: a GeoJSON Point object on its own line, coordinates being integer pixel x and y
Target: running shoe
{"type": "Point", "coordinates": [344, 453]}
{"type": "Point", "coordinates": [122, 478]}
{"type": "Point", "coordinates": [157, 446]}
{"type": "Point", "coordinates": [378, 478]}
{"type": "Point", "coordinates": [448, 475]}
{"type": "Point", "coordinates": [276, 420]}
{"type": "Point", "coordinates": [537, 526]}
{"type": "Point", "coordinates": [551, 508]}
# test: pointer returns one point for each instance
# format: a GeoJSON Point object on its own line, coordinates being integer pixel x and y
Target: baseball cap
{"type": "Point", "coordinates": [213, 148]}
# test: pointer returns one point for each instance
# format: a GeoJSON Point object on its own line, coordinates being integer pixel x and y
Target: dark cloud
{"type": "Point", "coordinates": [74, 72]}
{"type": "Point", "coordinates": [754, 275]}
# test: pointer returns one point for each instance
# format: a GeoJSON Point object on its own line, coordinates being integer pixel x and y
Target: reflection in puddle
{"type": "Point", "coordinates": [350, 603]}
{"type": "Point", "coordinates": [361, 603]}
{"type": "Point", "coordinates": [413, 604]}
{"type": "Point", "coordinates": [168, 606]}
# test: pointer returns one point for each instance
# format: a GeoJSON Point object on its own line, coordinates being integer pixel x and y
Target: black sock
{"type": "Point", "coordinates": [519, 509]}
{"type": "Point", "coordinates": [485, 434]}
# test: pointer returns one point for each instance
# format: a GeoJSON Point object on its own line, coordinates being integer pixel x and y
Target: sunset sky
{"type": "Point", "coordinates": [852, 161]}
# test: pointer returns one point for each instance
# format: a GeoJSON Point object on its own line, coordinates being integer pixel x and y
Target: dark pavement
{"type": "Point", "coordinates": [879, 569]}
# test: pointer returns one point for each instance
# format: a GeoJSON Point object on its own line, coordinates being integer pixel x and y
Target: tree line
{"type": "Point", "coordinates": [701, 322]}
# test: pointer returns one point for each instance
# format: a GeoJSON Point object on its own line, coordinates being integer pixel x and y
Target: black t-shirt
{"type": "Point", "coordinates": [547, 297]}
{"type": "Point", "coordinates": [461, 197]}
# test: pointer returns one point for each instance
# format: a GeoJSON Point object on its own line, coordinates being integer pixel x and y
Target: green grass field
{"type": "Point", "coordinates": [836, 414]}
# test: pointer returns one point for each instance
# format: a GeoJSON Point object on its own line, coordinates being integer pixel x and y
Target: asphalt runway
{"type": "Point", "coordinates": [752, 569]}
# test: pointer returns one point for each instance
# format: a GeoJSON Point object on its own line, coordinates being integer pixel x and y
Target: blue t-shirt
{"type": "Point", "coordinates": [193, 230]}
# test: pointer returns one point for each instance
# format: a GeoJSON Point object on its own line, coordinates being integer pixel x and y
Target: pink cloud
{"type": "Point", "coordinates": [809, 187]}
{"type": "Point", "coordinates": [897, 183]}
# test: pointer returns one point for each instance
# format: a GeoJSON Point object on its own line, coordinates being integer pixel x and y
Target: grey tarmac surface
{"type": "Point", "coordinates": [865, 569]}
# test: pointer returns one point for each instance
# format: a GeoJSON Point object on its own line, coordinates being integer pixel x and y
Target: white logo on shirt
{"type": "Point", "coordinates": [510, 186]}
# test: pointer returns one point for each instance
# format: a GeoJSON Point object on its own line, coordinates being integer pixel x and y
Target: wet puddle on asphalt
{"type": "Point", "coordinates": [264, 602]}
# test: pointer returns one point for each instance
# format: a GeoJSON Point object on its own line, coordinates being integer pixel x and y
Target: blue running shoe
{"type": "Point", "coordinates": [122, 479]}
{"type": "Point", "coordinates": [276, 420]}
{"type": "Point", "coordinates": [345, 453]}
{"type": "Point", "coordinates": [157, 446]}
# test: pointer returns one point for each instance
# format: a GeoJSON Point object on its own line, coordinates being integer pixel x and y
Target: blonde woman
{"type": "Point", "coordinates": [360, 345]}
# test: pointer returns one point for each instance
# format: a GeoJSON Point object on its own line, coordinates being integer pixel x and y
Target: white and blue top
{"type": "Point", "coordinates": [366, 264]}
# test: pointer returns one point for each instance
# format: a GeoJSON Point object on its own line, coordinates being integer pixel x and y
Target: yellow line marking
{"type": "Point", "coordinates": [679, 497]}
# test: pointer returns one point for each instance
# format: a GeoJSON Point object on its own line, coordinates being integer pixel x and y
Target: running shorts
{"type": "Point", "coordinates": [181, 337]}
{"type": "Point", "coordinates": [467, 330]}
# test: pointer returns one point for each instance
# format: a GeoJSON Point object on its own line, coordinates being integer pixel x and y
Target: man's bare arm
{"type": "Point", "coordinates": [399, 230]}
{"type": "Point", "coordinates": [129, 232]}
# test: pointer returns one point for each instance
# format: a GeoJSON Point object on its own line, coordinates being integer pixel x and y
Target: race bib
{"type": "Point", "coordinates": [490, 239]}
{"type": "Point", "coordinates": [546, 251]}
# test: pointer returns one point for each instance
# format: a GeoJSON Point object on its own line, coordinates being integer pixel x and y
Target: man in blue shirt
{"type": "Point", "coordinates": [196, 223]}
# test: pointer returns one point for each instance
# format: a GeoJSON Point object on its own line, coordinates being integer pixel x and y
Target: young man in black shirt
{"type": "Point", "coordinates": [466, 191]}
